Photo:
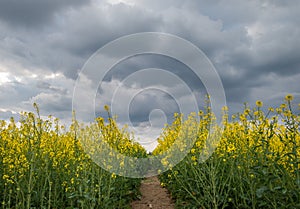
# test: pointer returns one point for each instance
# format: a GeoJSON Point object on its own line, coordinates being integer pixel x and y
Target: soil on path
{"type": "Point", "coordinates": [153, 196]}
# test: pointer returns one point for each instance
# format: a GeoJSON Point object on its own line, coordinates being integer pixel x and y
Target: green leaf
{"type": "Point", "coordinates": [260, 191]}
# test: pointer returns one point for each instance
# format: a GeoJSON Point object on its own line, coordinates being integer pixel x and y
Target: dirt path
{"type": "Point", "coordinates": [153, 196]}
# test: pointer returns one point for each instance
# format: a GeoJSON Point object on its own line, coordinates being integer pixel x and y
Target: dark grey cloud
{"type": "Point", "coordinates": [254, 46]}
{"type": "Point", "coordinates": [13, 93]}
{"type": "Point", "coordinates": [47, 87]}
{"type": "Point", "coordinates": [31, 13]}
{"type": "Point", "coordinates": [144, 103]}
{"type": "Point", "coordinates": [139, 62]}
{"type": "Point", "coordinates": [64, 45]}
{"type": "Point", "coordinates": [87, 29]}
{"type": "Point", "coordinates": [6, 114]}
{"type": "Point", "coordinates": [53, 101]}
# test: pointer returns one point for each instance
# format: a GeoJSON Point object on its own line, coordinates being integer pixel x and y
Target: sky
{"type": "Point", "coordinates": [254, 47]}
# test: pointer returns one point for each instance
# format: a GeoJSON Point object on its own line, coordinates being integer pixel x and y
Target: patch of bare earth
{"type": "Point", "coordinates": [153, 196]}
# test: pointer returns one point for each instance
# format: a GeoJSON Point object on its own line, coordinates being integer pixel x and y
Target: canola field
{"type": "Point", "coordinates": [251, 161]}
{"type": "Point", "coordinates": [43, 165]}
{"type": "Point", "coordinates": [256, 163]}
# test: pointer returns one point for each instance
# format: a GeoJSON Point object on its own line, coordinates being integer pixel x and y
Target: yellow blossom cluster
{"type": "Point", "coordinates": [251, 161]}
{"type": "Point", "coordinates": [44, 164]}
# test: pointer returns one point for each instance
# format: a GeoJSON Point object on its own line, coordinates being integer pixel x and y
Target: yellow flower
{"type": "Point", "coordinates": [198, 144]}
{"type": "Point", "coordinates": [271, 109]}
{"type": "Point", "coordinates": [164, 162]}
{"type": "Point", "coordinates": [106, 108]}
{"type": "Point", "coordinates": [283, 106]}
{"type": "Point", "coordinates": [225, 108]}
{"type": "Point", "coordinates": [289, 97]}
{"type": "Point", "coordinates": [193, 158]}
{"type": "Point", "coordinates": [288, 113]}
{"type": "Point", "coordinates": [247, 111]}
{"type": "Point", "coordinates": [259, 103]}
{"type": "Point", "coordinates": [5, 177]}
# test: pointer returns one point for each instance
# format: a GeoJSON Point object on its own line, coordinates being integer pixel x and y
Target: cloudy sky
{"type": "Point", "coordinates": [253, 45]}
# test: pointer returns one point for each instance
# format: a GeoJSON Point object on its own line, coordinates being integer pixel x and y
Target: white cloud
{"type": "Point", "coordinates": [4, 77]}
{"type": "Point", "coordinates": [128, 2]}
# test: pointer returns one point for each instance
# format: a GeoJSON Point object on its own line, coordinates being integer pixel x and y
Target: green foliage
{"type": "Point", "coordinates": [42, 165]}
{"type": "Point", "coordinates": [256, 163]}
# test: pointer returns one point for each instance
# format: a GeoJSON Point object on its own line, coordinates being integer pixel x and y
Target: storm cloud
{"type": "Point", "coordinates": [254, 46]}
